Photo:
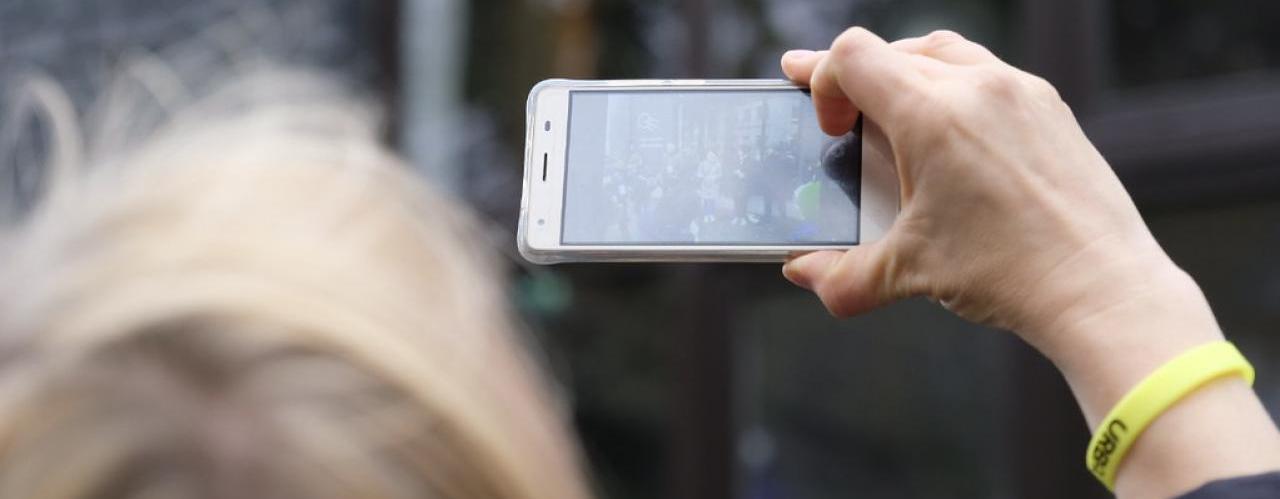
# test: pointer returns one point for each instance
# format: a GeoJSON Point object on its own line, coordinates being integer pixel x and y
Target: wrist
{"type": "Point", "coordinates": [1132, 324]}
{"type": "Point", "coordinates": [1129, 319]}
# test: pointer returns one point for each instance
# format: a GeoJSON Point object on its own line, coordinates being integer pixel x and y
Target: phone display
{"type": "Point", "coordinates": [696, 167]}
{"type": "Point", "coordinates": [695, 171]}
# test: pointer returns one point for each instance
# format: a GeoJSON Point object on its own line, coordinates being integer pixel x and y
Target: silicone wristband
{"type": "Point", "coordinates": [1152, 396]}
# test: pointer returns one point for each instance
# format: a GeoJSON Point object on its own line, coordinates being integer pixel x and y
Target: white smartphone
{"type": "Point", "coordinates": [695, 170]}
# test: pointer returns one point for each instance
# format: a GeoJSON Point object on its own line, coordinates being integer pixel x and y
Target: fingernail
{"type": "Point", "coordinates": [792, 271]}
{"type": "Point", "coordinates": [796, 54]}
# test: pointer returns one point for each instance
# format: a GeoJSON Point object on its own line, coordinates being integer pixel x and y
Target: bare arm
{"type": "Point", "coordinates": [1011, 218]}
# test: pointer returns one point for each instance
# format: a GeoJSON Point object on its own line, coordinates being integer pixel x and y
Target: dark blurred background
{"type": "Point", "coordinates": [719, 381]}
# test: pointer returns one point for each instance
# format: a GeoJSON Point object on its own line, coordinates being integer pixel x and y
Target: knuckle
{"type": "Point", "coordinates": [997, 81]}
{"type": "Point", "coordinates": [839, 313]}
{"type": "Point", "coordinates": [838, 308]}
{"type": "Point", "coordinates": [896, 279]}
{"type": "Point", "coordinates": [943, 37]}
{"type": "Point", "coordinates": [850, 42]}
{"type": "Point", "coordinates": [1041, 87]}
{"type": "Point", "coordinates": [835, 297]}
{"type": "Point", "coordinates": [901, 269]}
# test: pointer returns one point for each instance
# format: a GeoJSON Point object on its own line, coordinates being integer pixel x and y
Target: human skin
{"type": "Point", "coordinates": [1011, 218]}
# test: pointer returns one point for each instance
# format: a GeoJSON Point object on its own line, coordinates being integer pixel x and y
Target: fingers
{"type": "Point", "coordinates": [863, 69]}
{"type": "Point", "coordinates": [946, 46]}
{"type": "Point", "coordinates": [836, 115]}
{"type": "Point", "coordinates": [862, 72]}
{"type": "Point", "coordinates": [798, 64]}
{"type": "Point", "coordinates": [848, 283]}
{"type": "Point", "coordinates": [806, 270]}
{"type": "Point", "coordinates": [836, 112]}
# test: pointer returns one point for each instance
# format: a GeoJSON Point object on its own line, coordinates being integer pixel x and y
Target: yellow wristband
{"type": "Point", "coordinates": [1154, 395]}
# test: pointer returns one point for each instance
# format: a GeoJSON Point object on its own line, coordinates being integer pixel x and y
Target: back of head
{"type": "Point", "coordinates": [257, 300]}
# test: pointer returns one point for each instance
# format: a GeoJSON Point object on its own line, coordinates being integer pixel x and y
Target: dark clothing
{"type": "Point", "coordinates": [1264, 486]}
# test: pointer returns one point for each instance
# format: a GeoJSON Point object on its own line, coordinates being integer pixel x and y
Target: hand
{"type": "Point", "coordinates": [1010, 217]}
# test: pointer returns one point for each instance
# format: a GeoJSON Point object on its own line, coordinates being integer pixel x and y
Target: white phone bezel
{"type": "Point", "coordinates": [538, 235]}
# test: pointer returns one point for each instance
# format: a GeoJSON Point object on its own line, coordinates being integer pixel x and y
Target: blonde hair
{"type": "Point", "coordinates": [257, 300]}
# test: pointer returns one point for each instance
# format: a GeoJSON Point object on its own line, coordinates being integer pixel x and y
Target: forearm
{"type": "Point", "coordinates": [1011, 217]}
{"type": "Point", "coordinates": [1220, 430]}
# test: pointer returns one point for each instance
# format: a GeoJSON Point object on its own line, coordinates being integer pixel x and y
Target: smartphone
{"type": "Point", "coordinates": [695, 170]}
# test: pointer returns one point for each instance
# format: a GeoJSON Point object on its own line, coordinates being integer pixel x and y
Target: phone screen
{"type": "Point", "coordinates": [706, 167]}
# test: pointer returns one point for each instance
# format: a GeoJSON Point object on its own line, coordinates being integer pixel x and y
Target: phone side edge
{"type": "Point", "coordinates": [880, 192]}
{"type": "Point", "coordinates": [584, 254]}
{"type": "Point", "coordinates": [524, 244]}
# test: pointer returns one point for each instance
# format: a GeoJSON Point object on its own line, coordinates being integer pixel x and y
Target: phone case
{"type": "Point", "coordinates": [759, 254]}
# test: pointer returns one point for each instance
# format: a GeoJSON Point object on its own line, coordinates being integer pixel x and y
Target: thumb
{"type": "Point", "coordinates": [808, 268]}
{"type": "Point", "coordinates": [849, 282]}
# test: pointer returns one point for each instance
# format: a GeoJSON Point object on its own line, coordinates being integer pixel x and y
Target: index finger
{"type": "Point", "coordinates": [862, 69]}
{"type": "Point", "coordinates": [836, 114]}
